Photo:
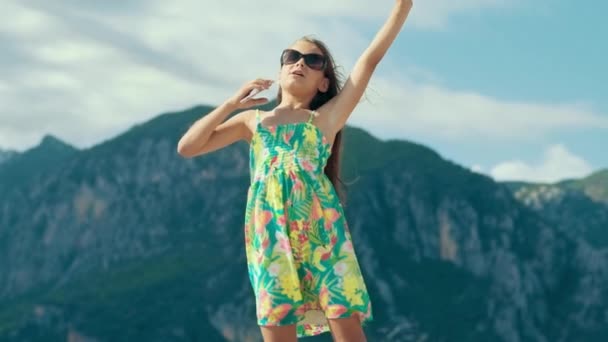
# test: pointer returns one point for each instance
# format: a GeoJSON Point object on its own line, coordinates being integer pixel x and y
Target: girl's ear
{"type": "Point", "coordinates": [324, 86]}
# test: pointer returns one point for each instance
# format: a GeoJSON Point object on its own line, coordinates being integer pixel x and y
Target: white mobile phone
{"type": "Point", "coordinates": [251, 94]}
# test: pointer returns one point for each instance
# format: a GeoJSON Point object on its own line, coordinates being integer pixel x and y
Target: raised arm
{"type": "Point", "coordinates": [211, 132]}
{"type": "Point", "coordinates": [340, 107]}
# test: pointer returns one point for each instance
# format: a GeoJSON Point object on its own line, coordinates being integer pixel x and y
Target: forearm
{"type": "Point", "coordinates": [198, 134]}
{"type": "Point", "coordinates": [387, 34]}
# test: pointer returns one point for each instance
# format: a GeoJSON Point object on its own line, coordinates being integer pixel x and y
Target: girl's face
{"type": "Point", "coordinates": [298, 78]}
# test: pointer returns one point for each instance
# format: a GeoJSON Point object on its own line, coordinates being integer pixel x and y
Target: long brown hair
{"type": "Point", "coordinates": [332, 168]}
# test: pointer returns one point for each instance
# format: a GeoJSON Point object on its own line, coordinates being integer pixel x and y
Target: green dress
{"type": "Point", "coordinates": [300, 256]}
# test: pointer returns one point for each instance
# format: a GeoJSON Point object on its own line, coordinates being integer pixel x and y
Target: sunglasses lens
{"type": "Point", "coordinates": [290, 57]}
{"type": "Point", "coordinates": [313, 60]}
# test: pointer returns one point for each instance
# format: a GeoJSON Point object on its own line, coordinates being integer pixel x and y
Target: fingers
{"type": "Point", "coordinates": [264, 83]}
{"type": "Point", "coordinates": [259, 84]}
{"type": "Point", "coordinates": [244, 97]}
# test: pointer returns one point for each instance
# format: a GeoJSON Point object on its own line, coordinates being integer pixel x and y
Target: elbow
{"type": "Point", "coordinates": [370, 61]}
{"type": "Point", "coordinates": [182, 150]}
{"type": "Point", "coordinates": [191, 151]}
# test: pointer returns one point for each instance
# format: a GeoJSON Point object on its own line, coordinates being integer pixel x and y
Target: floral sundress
{"type": "Point", "coordinates": [300, 256]}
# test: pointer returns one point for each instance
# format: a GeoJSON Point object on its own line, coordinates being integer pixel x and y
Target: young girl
{"type": "Point", "coordinates": [300, 256]}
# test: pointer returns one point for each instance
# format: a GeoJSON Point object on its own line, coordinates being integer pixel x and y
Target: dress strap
{"type": "Point", "coordinates": [312, 115]}
{"type": "Point", "coordinates": [257, 116]}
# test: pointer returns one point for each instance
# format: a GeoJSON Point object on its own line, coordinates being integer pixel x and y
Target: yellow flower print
{"type": "Point", "coordinates": [310, 135]}
{"type": "Point", "coordinates": [351, 289]}
{"type": "Point", "coordinates": [294, 221]}
{"type": "Point", "coordinates": [290, 287]}
{"type": "Point", "coordinates": [274, 193]}
{"type": "Point", "coordinates": [256, 146]}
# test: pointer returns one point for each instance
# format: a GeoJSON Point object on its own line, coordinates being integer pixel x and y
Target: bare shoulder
{"type": "Point", "coordinates": [327, 121]}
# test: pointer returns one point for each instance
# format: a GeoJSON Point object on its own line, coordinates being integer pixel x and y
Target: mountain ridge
{"type": "Point", "coordinates": [129, 241]}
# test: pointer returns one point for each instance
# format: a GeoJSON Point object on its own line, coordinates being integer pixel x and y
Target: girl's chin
{"type": "Point", "coordinates": [295, 86]}
{"type": "Point", "coordinates": [295, 80]}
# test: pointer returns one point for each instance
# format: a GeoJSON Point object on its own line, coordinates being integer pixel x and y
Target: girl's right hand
{"type": "Point", "coordinates": [261, 84]}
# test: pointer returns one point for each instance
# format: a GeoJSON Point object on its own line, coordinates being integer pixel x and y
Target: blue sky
{"type": "Point", "coordinates": [540, 52]}
{"type": "Point", "coordinates": [512, 89]}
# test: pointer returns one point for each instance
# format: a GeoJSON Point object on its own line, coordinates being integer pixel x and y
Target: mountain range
{"type": "Point", "coordinates": [128, 241]}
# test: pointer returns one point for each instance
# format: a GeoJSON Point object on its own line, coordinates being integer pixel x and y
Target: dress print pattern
{"type": "Point", "coordinates": [300, 256]}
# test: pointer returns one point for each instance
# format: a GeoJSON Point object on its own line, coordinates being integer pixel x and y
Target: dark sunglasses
{"type": "Point", "coordinates": [313, 60]}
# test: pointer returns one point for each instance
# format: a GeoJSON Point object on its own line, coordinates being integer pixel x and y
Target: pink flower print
{"type": "Point", "coordinates": [347, 247]}
{"type": "Point", "coordinates": [274, 269]}
{"type": "Point", "coordinates": [283, 242]}
{"type": "Point", "coordinates": [340, 268]}
{"type": "Point", "coordinates": [335, 310]}
{"type": "Point", "coordinates": [273, 160]}
{"type": "Point", "coordinates": [334, 240]}
{"type": "Point", "coordinates": [261, 220]}
{"type": "Point", "coordinates": [264, 303]}
{"type": "Point", "coordinates": [330, 215]}
{"type": "Point", "coordinates": [307, 165]}
{"type": "Point", "coordinates": [306, 226]}
{"type": "Point", "coordinates": [297, 185]}
{"type": "Point", "coordinates": [323, 297]}
{"type": "Point", "coordinates": [317, 210]}
{"type": "Point", "coordinates": [317, 329]}
{"type": "Point", "coordinates": [308, 275]}
{"type": "Point", "coordinates": [287, 136]}
{"type": "Point", "coordinates": [292, 175]}
{"type": "Point", "coordinates": [293, 226]}
{"type": "Point", "coordinates": [282, 220]}
{"type": "Point", "coordinates": [259, 257]}
{"type": "Point", "coordinates": [303, 238]}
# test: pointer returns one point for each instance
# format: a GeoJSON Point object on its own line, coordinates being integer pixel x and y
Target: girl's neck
{"type": "Point", "coordinates": [292, 102]}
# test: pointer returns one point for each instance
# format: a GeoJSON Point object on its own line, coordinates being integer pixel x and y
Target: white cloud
{"type": "Point", "coordinates": [87, 71]}
{"type": "Point", "coordinates": [92, 75]}
{"type": "Point", "coordinates": [21, 21]}
{"type": "Point", "coordinates": [403, 107]}
{"type": "Point", "coordinates": [558, 163]}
